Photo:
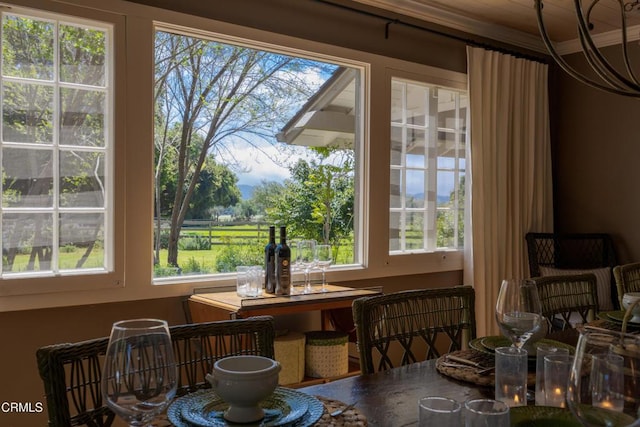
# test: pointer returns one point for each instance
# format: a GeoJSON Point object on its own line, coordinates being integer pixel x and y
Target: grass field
{"type": "Point", "coordinates": [238, 243]}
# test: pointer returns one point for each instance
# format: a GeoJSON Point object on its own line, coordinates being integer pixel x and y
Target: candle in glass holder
{"type": "Point", "coordinates": [607, 381]}
{"type": "Point", "coordinates": [511, 375]}
{"type": "Point", "coordinates": [556, 376]}
{"type": "Point", "coordinates": [543, 350]}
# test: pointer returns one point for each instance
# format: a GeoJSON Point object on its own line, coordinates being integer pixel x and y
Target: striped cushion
{"type": "Point", "coordinates": [603, 282]}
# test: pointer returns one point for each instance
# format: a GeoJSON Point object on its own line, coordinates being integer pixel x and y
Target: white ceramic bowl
{"type": "Point", "coordinates": [242, 382]}
{"type": "Point", "coordinates": [627, 300]}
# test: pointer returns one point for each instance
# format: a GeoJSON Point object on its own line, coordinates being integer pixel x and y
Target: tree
{"type": "Point", "coordinates": [317, 202]}
{"type": "Point", "coordinates": [222, 94]}
{"type": "Point", "coordinates": [265, 195]}
{"type": "Point", "coordinates": [217, 187]}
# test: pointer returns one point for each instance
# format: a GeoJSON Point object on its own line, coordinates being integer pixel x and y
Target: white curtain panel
{"type": "Point", "coordinates": [511, 183]}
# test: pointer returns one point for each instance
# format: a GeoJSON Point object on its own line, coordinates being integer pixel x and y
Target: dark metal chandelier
{"type": "Point", "coordinates": [610, 79]}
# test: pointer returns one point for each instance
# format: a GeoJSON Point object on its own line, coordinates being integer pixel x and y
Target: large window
{"type": "Point", "coordinates": [245, 138]}
{"type": "Point", "coordinates": [55, 146]}
{"type": "Point", "coordinates": [214, 132]}
{"type": "Point", "coordinates": [427, 176]}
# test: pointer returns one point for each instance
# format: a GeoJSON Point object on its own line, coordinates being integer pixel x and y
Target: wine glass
{"type": "Point", "coordinates": [518, 310]}
{"type": "Point", "coordinates": [139, 378]}
{"type": "Point", "coordinates": [604, 383]}
{"type": "Point", "coordinates": [294, 265]}
{"type": "Point", "coordinates": [324, 258]}
{"type": "Point", "coordinates": [306, 260]}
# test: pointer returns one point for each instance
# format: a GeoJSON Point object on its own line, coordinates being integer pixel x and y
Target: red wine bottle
{"type": "Point", "coordinates": [270, 263]}
{"type": "Point", "coordinates": [283, 265]}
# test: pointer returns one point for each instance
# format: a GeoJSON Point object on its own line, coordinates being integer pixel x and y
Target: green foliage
{"type": "Point", "coordinates": [232, 255]}
{"type": "Point", "coordinates": [318, 201]}
{"type": "Point", "coordinates": [164, 271]}
{"type": "Point", "coordinates": [192, 266]}
{"type": "Point", "coordinates": [68, 249]}
{"type": "Point", "coordinates": [194, 243]}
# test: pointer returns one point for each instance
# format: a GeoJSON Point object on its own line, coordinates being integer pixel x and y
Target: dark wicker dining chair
{"type": "Point", "coordinates": [567, 300]}
{"type": "Point", "coordinates": [71, 372]}
{"type": "Point", "coordinates": [409, 326]}
{"type": "Point", "coordinates": [627, 277]}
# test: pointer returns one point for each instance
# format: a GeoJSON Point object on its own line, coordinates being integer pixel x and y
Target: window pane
{"type": "Point", "coordinates": [27, 242]}
{"type": "Point", "coordinates": [415, 231]}
{"type": "Point", "coordinates": [396, 146]}
{"type": "Point", "coordinates": [397, 102]}
{"type": "Point", "coordinates": [395, 227]}
{"type": "Point", "coordinates": [83, 114]}
{"type": "Point", "coordinates": [415, 189]}
{"type": "Point", "coordinates": [27, 178]}
{"type": "Point", "coordinates": [82, 55]}
{"type": "Point", "coordinates": [431, 157]}
{"type": "Point", "coordinates": [416, 106]}
{"type": "Point", "coordinates": [27, 47]}
{"type": "Point", "coordinates": [396, 188]}
{"type": "Point", "coordinates": [81, 241]}
{"type": "Point", "coordinates": [27, 112]}
{"type": "Point", "coordinates": [446, 229]}
{"type": "Point", "coordinates": [82, 179]}
{"type": "Point", "coordinates": [278, 137]}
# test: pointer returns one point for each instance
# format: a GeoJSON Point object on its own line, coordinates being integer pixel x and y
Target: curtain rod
{"type": "Point", "coordinates": [474, 43]}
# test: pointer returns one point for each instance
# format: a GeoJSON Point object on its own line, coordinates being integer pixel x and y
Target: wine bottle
{"type": "Point", "coordinates": [283, 265]}
{"type": "Point", "coordinates": [270, 263]}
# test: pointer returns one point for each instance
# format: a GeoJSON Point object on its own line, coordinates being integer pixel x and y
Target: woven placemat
{"type": "Point", "coordinates": [351, 417]}
{"type": "Point", "coordinates": [470, 374]}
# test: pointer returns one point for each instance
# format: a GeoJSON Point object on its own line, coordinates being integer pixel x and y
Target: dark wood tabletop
{"type": "Point", "coordinates": [390, 398]}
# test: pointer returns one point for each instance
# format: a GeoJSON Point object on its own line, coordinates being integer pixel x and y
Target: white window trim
{"type": "Point", "coordinates": [132, 279]}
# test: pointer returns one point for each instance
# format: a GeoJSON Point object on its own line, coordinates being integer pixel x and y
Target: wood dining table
{"type": "Point", "coordinates": [390, 398]}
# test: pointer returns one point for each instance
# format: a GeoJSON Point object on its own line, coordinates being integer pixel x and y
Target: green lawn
{"type": "Point", "coordinates": [249, 244]}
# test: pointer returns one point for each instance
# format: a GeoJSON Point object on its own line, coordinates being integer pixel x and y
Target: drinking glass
{"type": "Point", "coordinates": [604, 382]}
{"type": "Point", "coordinates": [306, 260]}
{"type": "Point", "coordinates": [294, 266]}
{"type": "Point", "coordinates": [518, 310]}
{"type": "Point", "coordinates": [324, 258]}
{"type": "Point", "coordinates": [139, 378]}
{"type": "Point", "coordinates": [511, 375]}
{"type": "Point", "coordinates": [439, 411]}
{"type": "Point", "coordinates": [556, 376]}
{"type": "Point", "coordinates": [543, 350]}
{"type": "Point", "coordinates": [486, 412]}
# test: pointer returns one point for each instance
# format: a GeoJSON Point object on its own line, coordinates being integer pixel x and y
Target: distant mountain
{"type": "Point", "coordinates": [246, 191]}
{"type": "Point", "coordinates": [442, 199]}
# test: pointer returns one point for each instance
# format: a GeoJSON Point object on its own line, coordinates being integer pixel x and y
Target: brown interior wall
{"type": "Point", "coordinates": [596, 149]}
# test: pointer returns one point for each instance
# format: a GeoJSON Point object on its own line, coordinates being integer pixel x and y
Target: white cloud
{"type": "Point", "coordinates": [268, 163]}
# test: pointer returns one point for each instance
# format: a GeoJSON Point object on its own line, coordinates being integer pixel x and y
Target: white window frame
{"type": "Point", "coordinates": [430, 170]}
{"type": "Point", "coordinates": [359, 143]}
{"type": "Point", "coordinates": [44, 282]}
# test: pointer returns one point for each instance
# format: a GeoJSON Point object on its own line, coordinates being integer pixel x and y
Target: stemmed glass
{"type": "Point", "coordinates": [324, 258]}
{"type": "Point", "coordinates": [518, 310]}
{"type": "Point", "coordinates": [306, 260]}
{"type": "Point", "coordinates": [139, 378]}
{"type": "Point", "coordinates": [604, 383]}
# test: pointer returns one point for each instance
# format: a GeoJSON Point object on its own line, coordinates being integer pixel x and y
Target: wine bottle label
{"type": "Point", "coordinates": [284, 278]}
